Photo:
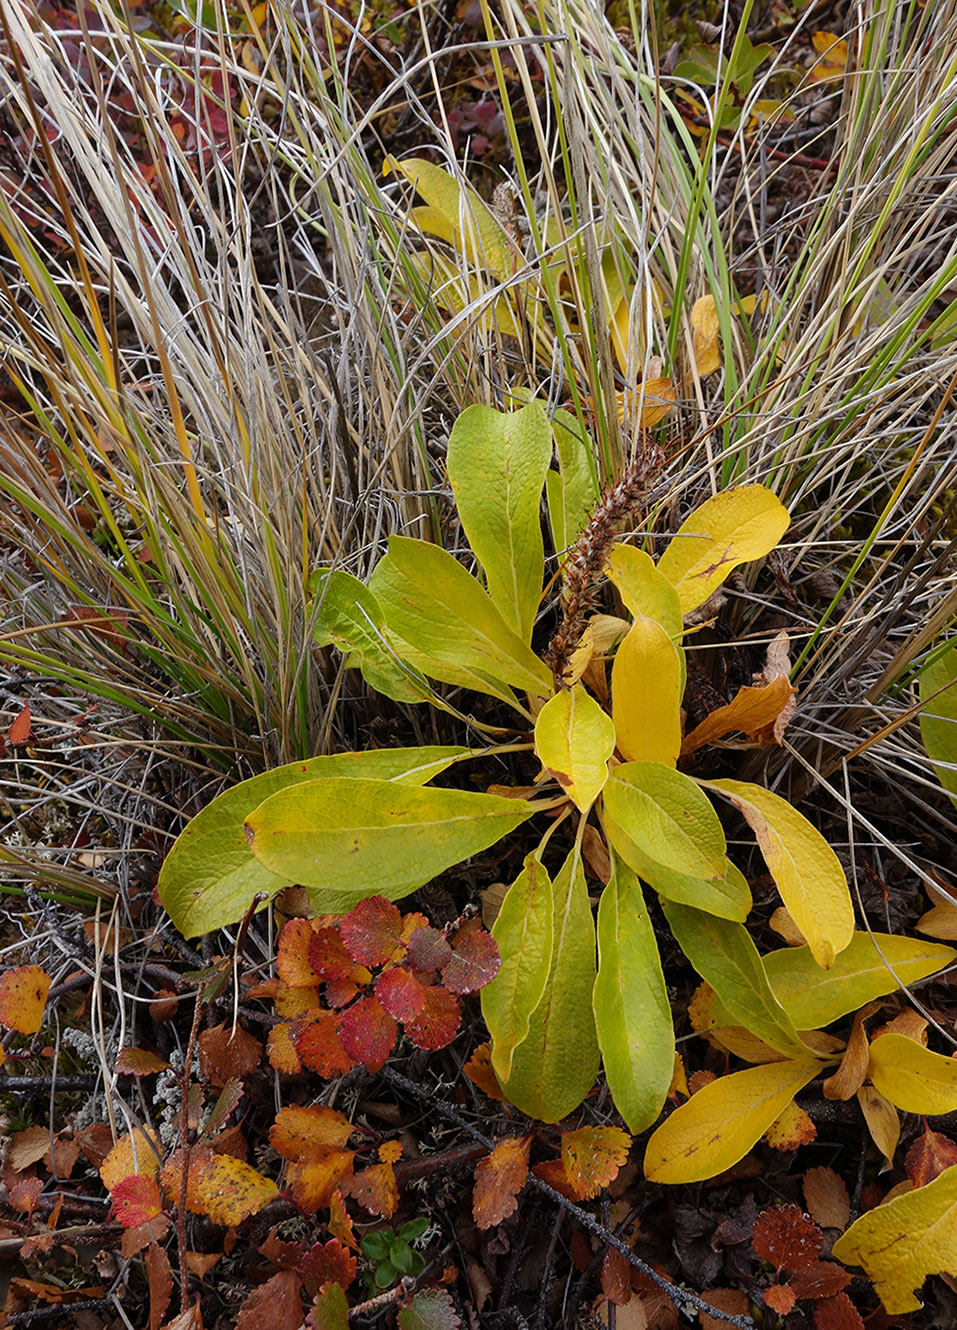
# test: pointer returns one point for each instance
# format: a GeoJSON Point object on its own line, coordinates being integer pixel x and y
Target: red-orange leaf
{"type": "Point", "coordinates": [19, 731]}
{"type": "Point", "coordinates": [375, 1189]}
{"type": "Point", "coordinates": [281, 1049]}
{"type": "Point", "coordinates": [136, 1200]}
{"type": "Point", "coordinates": [298, 1128]}
{"type": "Point", "coordinates": [292, 955]}
{"type": "Point", "coordinates": [498, 1180]}
{"type": "Point", "coordinates": [780, 1298]}
{"type": "Point", "coordinates": [786, 1237]}
{"type": "Point", "coordinates": [315, 1175]}
{"type": "Point", "coordinates": [320, 1048]}
{"type": "Point", "coordinates": [474, 963]}
{"type": "Point", "coordinates": [139, 1062]}
{"type": "Point", "coordinates": [400, 993]}
{"type": "Point", "coordinates": [592, 1157]}
{"type": "Point", "coordinates": [327, 1263]}
{"type": "Point", "coordinates": [225, 1052]}
{"type": "Point", "coordinates": [479, 1071]}
{"type": "Point", "coordinates": [837, 1313]}
{"type": "Point", "coordinates": [438, 1022]}
{"type": "Point", "coordinates": [929, 1154]}
{"type": "Point", "coordinates": [331, 961]}
{"type": "Point", "coordinates": [372, 931]}
{"type": "Point", "coordinates": [368, 1032]}
{"type": "Point", "coordinates": [553, 1172]}
{"type": "Point", "coordinates": [275, 1305]}
{"type": "Point", "coordinates": [23, 995]}
{"type": "Point", "coordinates": [820, 1279]}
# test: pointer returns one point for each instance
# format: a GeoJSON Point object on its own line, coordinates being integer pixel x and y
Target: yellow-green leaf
{"type": "Point", "coordinates": [903, 1241]}
{"type": "Point", "coordinates": [807, 871]}
{"type": "Point", "coordinates": [523, 931]}
{"type": "Point", "coordinates": [734, 527]}
{"type": "Point", "coordinates": [912, 1077]}
{"type": "Point", "coordinates": [645, 590]}
{"type": "Point", "coordinates": [555, 1066]}
{"type": "Point", "coordinates": [210, 876]}
{"type": "Point", "coordinates": [632, 1011]}
{"type": "Point", "coordinates": [457, 214]}
{"type": "Point", "coordinates": [869, 967]}
{"type": "Point", "coordinates": [720, 1124]}
{"type": "Point", "coordinates": [345, 839]}
{"type": "Point", "coordinates": [646, 694]}
{"type": "Point", "coordinates": [724, 955]}
{"type": "Point", "coordinates": [572, 491]}
{"type": "Point", "coordinates": [938, 719]}
{"type": "Point", "coordinates": [447, 626]}
{"type": "Point", "coordinates": [574, 739]}
{"type": "Point", "coordinates": [497, 463]}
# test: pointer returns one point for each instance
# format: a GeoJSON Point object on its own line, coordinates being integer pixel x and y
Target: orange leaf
{"type": "Point", "coordinates": [390, 1151]}
{"type": "Point", "coordinates": [780, 1298]}
{"type": "Point", "coordinates": [852, 1072]}
{"type": "Point", "coordinates": [760, 714]}
{"type": "Point", "coordinates": [315, 1175]}
{"type": "Point", "coordinates": [825, 1194]}
{"type": "Point", "coordinates": [320, 1048]}
{"type": "Point", "coordinates": [479, 1071]}
{"type": "Point", "coordinates": [791, 1129]}
{"type": "Point", "coordinates": [292, 955]}
{"type": "Point", "coordinates": [327, 1263]}
{"type": "Point", "coordinates": [23, 995]}
{"type": "Point", "coordinates": [376, 1190]}
{"type": "Point", "coordinates": [292, 1002]}
{"type": "Point", "coordinates": [225, 1053]}
{"type": "Point", "coordinates": [498, 1180]}
{"type": "Point", "coordinates": [281, 1049]}
{"type": "Point", "coordinates": [592, 1157]}
{"type": "Point", "coordinates": [340, 1225]}
{"type": "Point", "coordinates": [275, 1305]}
{"type": "Point", "coordinates": [837, 1313]}
{"type": "Point", "coordinates": [297, 1129]}
{"type": "Point", "coordinates": [19, 731]}
{"type": "Point", "coordinates": [160, 1278]}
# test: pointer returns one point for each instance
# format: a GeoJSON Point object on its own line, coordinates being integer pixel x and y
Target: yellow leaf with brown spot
{"type": "Point", "coordinates": [574, 739]}
{"type": "Point", "coordinates": [23, 995]}
{"type": "Point", "coordinates": [792, 1128]}
{"type": "Point", "coordinates": [229, 1191]}
{"type": "Point", "coordinates": [882, 1120]}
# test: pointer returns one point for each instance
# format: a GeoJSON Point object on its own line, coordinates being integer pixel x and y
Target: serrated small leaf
{"type": "Point", "coordinates": [298, 1128]}
{"type": "Point", "coordinates": [368, 1032]}
{"type": "Point", "coordinates": [438, 1022]}
{"type": "Point", "coordinates": [315, 1174]}
{"type": "Point", "coordinates": [320, 1048]}
{"type": "Point", "coordinates": [135, 1200]}
{"type": "Point", "coordinates": [498, 1180]}
{"type": "Point", "coordinates": [330, 1311]}
{"type": "Point", "coordinates": [229, 1191]}
{"type": "Point", "coordinates": [574, 739]}
{"type": "Point", "coordinates": [721, 1122]}
{"type": "Point", "coordinates": [139, 1062]}
{"type": "Point", "coordinates": [375, 1189]}
{"type": "Point", "coordinates": [592, 1158]}
{"type": "Point", "coordinates": [372, 930]}
{"type": "Point", "coordinates": [400, 993]}
{"type": "Point", "coordinates": [732, 528]}
{"type": "Point", "coordinates": [475, 961]}
{"type": "Point", "coordinates": [430, 1309]}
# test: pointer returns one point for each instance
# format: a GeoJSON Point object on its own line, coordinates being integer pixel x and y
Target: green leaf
{"type": "Point", "coordinates": [348, 839]}
{"type": "Point", "coordinates": [523, 931]}
{"type": "Point", "coordinates": [724, 955]}
{"type": "Point", "coordinates": [734, 527]}
{"type": "Point", "coordinates": [497, 463]}
{"type": "Point", "coordinates": [723, 1120]}
{"type": "Point", "coordinates": [414, 1228]}
{"type": "Point", "coordinates": [210, 876]}
{"type": "Point", "coordinates": [632, 1012]}
{"type": "Point", "coordinates": [350, 618]}
{"type": "Point", "coordinates": [646, 695]}
{"type": "Point", "coordinates": [555, 1066]}
{"type": "Point", "coordinates": [807, 871]}
{"type": "Point", "coordinates": [444, 624]}
{"type": "Point", "coordinates": [664, 828]}
{"type": "Point", "coordinates": [912, 1077]}
{"type": "Point", "coordinates": [869, 967]}
{"type": "Point", "coordinates": [458, 215]}
{"type": "Point", "coordinates": [330, 1311]}
{"type": "Point", "coordinates": [430, 1309]}
{"type": "Point", "coordinates": [938, 719]}
{"type": "Point", "coordinates": [572, 491]}
{"type": "Point", "coordinates": [376, 1246]}
{"type": "Point", "coordinates": [574, 739]}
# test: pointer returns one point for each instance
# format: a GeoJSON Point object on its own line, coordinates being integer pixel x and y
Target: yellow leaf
{"type": "Point", "coordinates": [646, 592]}
{"type": "Point", "coordinates": [734, 527]}
{"type": "Point", "coordinates": [882, 1121]}
{"type": "Point", "coordinates": [719, 1124]}
{"type": "Point", "coordinates": [833, 52]}
{"type": "Point", "coordinates": [912, 1077]}
{"type": "Point", "coordinates": [457, 214]}
{"type": "Point", "coordinates": [646, 695]}
{"type": "Point", "coordinates": [808, 873]}
{"type": "Point", "coordinates": [574, 739]}
{"type": "Point", "coordinates": [704, 325]}
{"type": "Point", "coordinates": [229, 1191]}
{"type": "Point", "coordinates": [602, 632]}
{"type": "Point", "coordinates": [135, 1152]}
{"type": "Point", "coordinates": [939, 921]}
{"type": "Point", "coordinates": [903, 1241]}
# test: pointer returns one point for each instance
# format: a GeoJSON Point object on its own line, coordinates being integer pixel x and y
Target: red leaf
{"type": "Point", "coordinates": [400, 993]}
{"type": "Point", "coordinates": [475, 962]}
{"type": "Point", "coordinates": [330, 960]}
{"type": "Point", "coordinates": [438, 1022]}
{"type": "Point", "coordinates": [139, 1062]}
{"type": "Point", "coordinates": [786, 1237]}
{"type": "Point", "coordinates": [928, 1156]}
{"type": "Point", "coordinates": [23, 995]}
{"type": "Point", "coordinates": [592, 1157]}
{"type": "Point", "coordinates": [19, 731]}
{"type": "Point", "coordinates": [320, 1048]}
{"type": "Point", "coordinates": [136, 1200]}
{"type": "Point", "coordinates": [367, 1032]}
{"type": "Point", "coordinates": [327, 1263]}
{"type": "Point", "coordinates": [372, 930]}
{"type": "Point", "coordinates": [498, 1180]}
{"type": "Point", "coordinates": [837, 1313]}
{"type": "Point", "coordinates": [820, 1279]}
{"type": "Point", "coordinates": [553, 1172]}
{"type": "Point", "coordinates": [428, 950]}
